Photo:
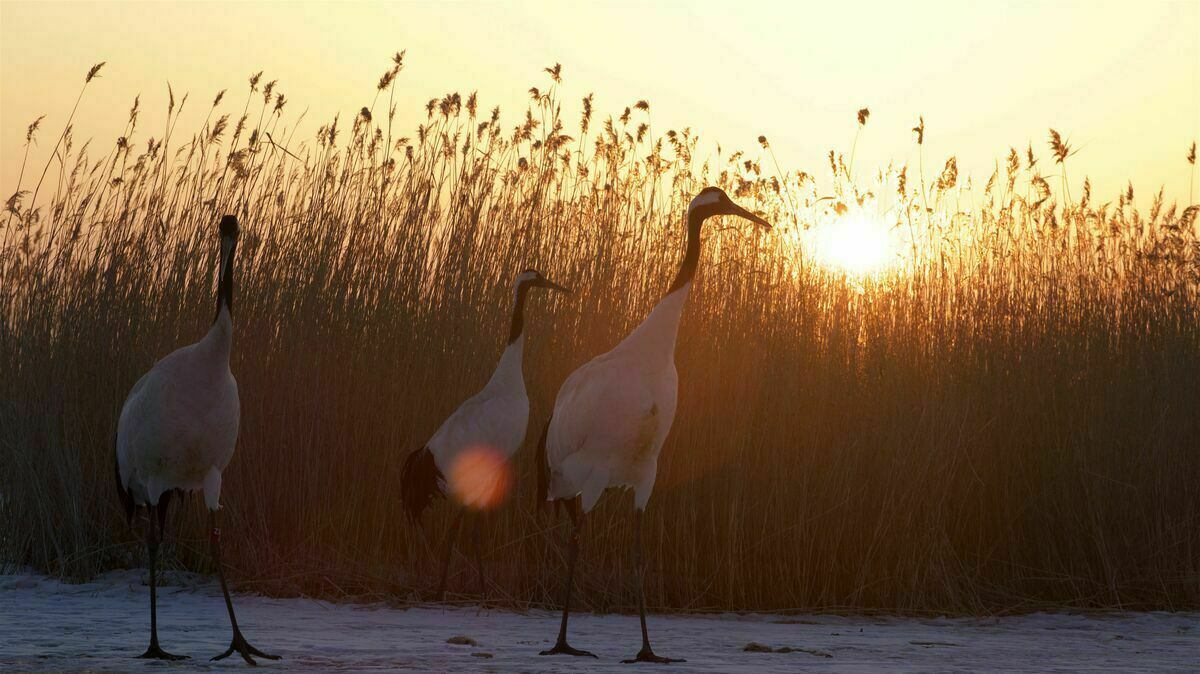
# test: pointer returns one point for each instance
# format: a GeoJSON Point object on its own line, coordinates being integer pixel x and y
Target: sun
{"type": "Point", "coordinates": [855, 243]}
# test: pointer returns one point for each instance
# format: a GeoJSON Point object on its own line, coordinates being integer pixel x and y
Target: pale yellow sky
{"type": "Point", "coordinates": [1120, 79]}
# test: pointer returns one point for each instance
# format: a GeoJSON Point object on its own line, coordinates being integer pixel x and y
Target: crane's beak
{"type": "Point", "coordinates": [547, 283]}
{"type": "Point", "coordinates": [741, 212]}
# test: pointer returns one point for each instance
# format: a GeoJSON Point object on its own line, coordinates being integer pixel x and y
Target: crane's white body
{"type": "Point", "coordinates": [179, 425]}
{"type": "Point", "coordinates": [494, 420]}
{"type": "Point", "coordinates": [613, 414]}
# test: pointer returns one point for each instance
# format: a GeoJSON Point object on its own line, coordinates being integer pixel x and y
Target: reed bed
{"type": "Point", "coordinates": [1003, 418]}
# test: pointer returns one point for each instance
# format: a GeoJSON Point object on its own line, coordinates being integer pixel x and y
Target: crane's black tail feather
{"type": "Point", "coordinates": [122, 492]}
{"type": "Point", "coordinates": [543, 467]}
{"type": "Point", "coordinates": [420, 483]}
{"type": "Point", "coordinates": [574, 505]}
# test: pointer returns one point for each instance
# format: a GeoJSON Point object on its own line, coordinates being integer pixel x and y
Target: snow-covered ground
{"type": "Point", "coordinates": [46, 625]}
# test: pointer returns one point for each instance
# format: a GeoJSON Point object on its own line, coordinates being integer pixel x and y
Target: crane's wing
{"type": "Point", "coordinates": [609, 421]}
{"type": "Point", "coordinates": [472, 447]}
{"type": "Point", "coordinates": [171, 431]}
{"type": "Point", "coordinates": [486, 420]}
{"type": "Point", "coordinates": [133, 413]}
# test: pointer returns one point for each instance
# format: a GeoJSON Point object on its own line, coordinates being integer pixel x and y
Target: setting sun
{"type": "Point", "coordinates": [856, 243]}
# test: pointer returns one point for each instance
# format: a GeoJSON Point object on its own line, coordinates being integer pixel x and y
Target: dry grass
{"type": "Point", "coordinates": [1004, 420]}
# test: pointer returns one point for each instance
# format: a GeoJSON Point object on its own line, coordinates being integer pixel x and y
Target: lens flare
{"type": "Point", "coordinates": [480, 477]}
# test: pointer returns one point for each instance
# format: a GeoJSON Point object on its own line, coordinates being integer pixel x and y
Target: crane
{"type": "Point", "coordinates": [176, 434]}
{"type": "Point", "coordinates": [612, 415]}
{"type": "Point", "coordinates": [473, 445]}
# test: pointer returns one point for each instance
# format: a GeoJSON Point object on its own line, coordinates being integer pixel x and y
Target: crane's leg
{"type": "Point", "coordinates": [646, 654]}
{"type": "Point", "coordinates": [561, 647]}
{"type": "Point", "coordinates": [239, 642]}
{"type": "Point", "coordinates": [451, 539]}
{"type": "Point", "coordinates": [475, 543]}
{"type": "Point", "coordinates": [154, 652]}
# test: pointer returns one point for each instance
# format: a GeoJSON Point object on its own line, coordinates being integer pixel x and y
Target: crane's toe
{"type": "Point", "coordinates": [647, 655]}
{"type": "Point", "coordinates": [156, 653]}
{"type": "Point", "coordinates": [244, 649]}
{"type": "Point", "coordinates": [563, 648]}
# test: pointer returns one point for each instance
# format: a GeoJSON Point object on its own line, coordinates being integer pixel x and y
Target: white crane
{"type": "Point", "coordinates": [474, 444]}
{"type": "Point", "coordinates": [613, 414]}
{"type": "Point", "coordinates": [177, 432]}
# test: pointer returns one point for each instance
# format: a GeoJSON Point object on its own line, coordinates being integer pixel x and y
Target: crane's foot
{"type": "Point", "coordinates": [563, 648]}
{"type": "Point", "coordinates": [243, 648]}
{"type": "Point", "coordinates": [647, 655]}
{"type": "Point", "coordinates": [156, 653]}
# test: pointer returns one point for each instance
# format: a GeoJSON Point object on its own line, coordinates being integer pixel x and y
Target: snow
{"type": "Point", "coordinates": [46, 625]}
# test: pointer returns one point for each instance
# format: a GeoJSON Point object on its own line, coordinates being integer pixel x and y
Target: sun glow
{"type": "Point", "coordinates": [855, 243]}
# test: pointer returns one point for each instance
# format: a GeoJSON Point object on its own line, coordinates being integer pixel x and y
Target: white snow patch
{"type": "Point", "coordinates": [46, 625]}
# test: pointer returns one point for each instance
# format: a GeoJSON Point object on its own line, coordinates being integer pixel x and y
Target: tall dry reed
{"type": "Point", "coordinates": [1005, 419]}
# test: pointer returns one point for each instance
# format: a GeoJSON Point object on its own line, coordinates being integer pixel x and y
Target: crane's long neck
{"type": "Point", "coordinates": [219, 339]}
{"type": "Point", "coordinates": [509, 371]}
{"type": "Point", "coordinates": [225, 282]}
{"type": "Point", "coordinates": [517, 331]}
{"type": "Point", "coordinates": [691, 258]}
{"type": "Point", "coordinates": [657, 334]}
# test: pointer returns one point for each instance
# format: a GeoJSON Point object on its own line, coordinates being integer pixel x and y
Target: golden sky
{"type": "Point", "coordinates": [1120, 80]}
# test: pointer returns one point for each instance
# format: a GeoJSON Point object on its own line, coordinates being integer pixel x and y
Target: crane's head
{"type": "Point", "coordinates": [533, 278]}
{"type": "Point", "coordinates": [229, 227]}
{"type": "Point", "coordinates": [713, 201]}
{"type": "Point", "coordinates": [229, 236]}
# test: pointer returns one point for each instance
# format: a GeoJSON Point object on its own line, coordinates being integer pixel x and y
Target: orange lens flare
{"type": "Point", "coordinates": [480, 477]}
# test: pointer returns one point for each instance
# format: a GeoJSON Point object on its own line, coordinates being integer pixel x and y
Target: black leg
{"type": "Point", "coordinates": [239, 643]}
{"type": "Point", "coordinates": [646, 654]}
{"type": "Point", "coordinates": [478, 549]}
{"type": "Point", "coordinates": [155, 652]}
{"type": "Point", "coordinates": [561, 647]}
{"type": "Point", "coordinates": [451, 538]}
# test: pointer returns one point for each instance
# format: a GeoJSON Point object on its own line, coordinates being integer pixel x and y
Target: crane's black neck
{"type": "Point", "coordinates": [687, 268]}
{"type": "Point", "coordinates": [225, 283]}
{"type": "Point", "coordinates": [518, 317]}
